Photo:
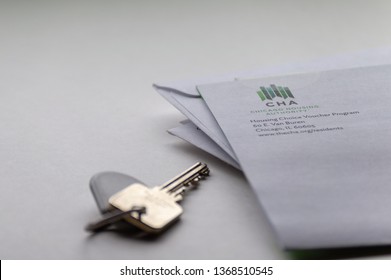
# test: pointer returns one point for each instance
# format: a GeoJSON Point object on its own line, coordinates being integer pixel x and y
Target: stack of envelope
{"type": "Point", "coordinates": [334, 191]}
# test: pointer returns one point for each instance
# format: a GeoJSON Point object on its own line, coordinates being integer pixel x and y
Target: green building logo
{"type": "Point", "coordinates": [269, 93]}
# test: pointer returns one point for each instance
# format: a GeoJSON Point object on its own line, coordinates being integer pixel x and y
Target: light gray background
{"type": "Point", "coordinates": [76, 99]}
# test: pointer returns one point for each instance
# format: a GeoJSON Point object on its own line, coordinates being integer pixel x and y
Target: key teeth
{"type": "Point", "coordinates": [205, 172]}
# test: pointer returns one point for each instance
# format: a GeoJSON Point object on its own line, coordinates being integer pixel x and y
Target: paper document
{"type": "Point", "coordinates": [316, 149]}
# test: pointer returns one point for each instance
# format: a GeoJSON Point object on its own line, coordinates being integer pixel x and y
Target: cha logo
{"type": "Point", "coordinates": [276, 96]}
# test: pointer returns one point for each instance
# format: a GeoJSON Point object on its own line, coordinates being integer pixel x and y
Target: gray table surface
{"type": "Point", "coordinates": [76, 99]}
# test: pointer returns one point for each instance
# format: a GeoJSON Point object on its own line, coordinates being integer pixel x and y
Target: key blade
{"type": "Point", "coordinates": [192, 174]}
{"type": "Point", "coordinates": [178, 177]}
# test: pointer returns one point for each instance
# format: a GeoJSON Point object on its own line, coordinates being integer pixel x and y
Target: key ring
{"type": "Point", "coordinates": [114, 217]}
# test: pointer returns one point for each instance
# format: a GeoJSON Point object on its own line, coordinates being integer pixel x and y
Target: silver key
{"type": "Point", "coordinates": [159, 204]}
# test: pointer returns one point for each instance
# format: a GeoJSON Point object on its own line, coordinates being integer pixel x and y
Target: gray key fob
{"type": "Point", "coordinates": [105, 184]}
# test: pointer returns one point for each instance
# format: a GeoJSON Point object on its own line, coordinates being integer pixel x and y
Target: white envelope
{"type": "Point", "coordinates": [183, 96]}
{"type": "Point", "coordinates": [192, 134]}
